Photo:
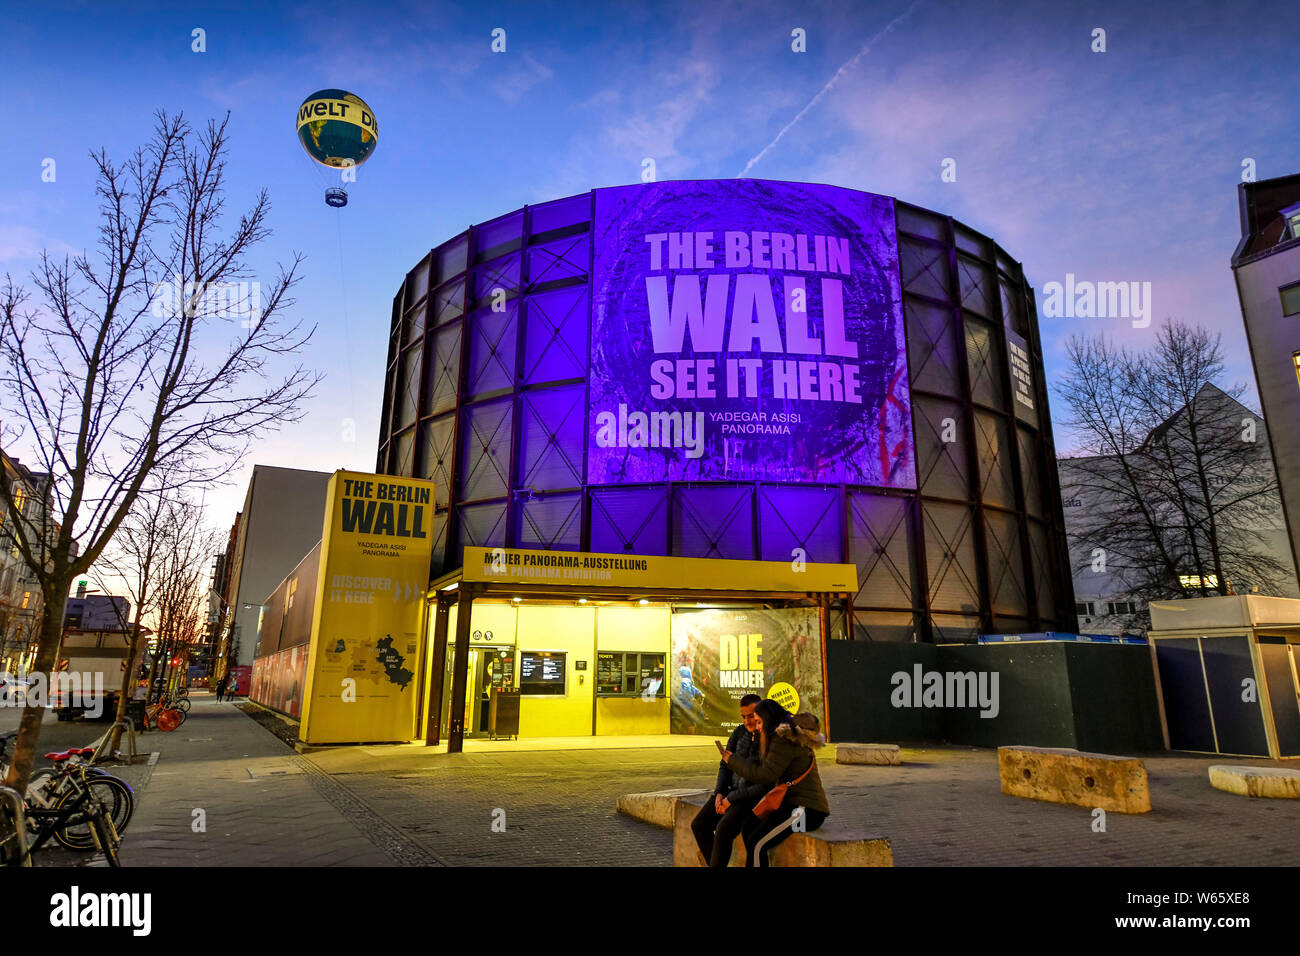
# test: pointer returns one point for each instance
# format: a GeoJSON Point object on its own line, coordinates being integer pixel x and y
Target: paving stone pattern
{"type": "Point", "coordinates": [383, 806]}
{"type": "Point", "coordinates": [941, 808]}
{"type": "Point", "coordinates": [264, 805]}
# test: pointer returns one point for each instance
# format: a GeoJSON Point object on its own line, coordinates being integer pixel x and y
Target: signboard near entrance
{"type": "Point", "coordinates": [576, 568]}
{"type": "Point", "coordinates": [721, 655]}
{"type": "Point", "coordinates": [542, 672]}
{"type": "Point", "coordinates": [369, 597]}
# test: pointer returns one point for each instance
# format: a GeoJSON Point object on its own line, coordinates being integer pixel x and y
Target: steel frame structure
{"type": "Point", "coordinates": [475, 399]}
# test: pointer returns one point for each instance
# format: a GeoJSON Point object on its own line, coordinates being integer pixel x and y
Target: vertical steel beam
{"type": "Point", "coordinates": [460, 671]}
{"type": "Point", "coordinates": [975, 494]}
{"type": "Point", "coordinates": [437, 672]}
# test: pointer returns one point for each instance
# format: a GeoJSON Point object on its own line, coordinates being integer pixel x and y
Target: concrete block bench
{"type": "Point", "coordinates": [835, 844]}
{"type": "Point", "coordinates": [1256, 781]}
{"type": "Point", "coordinates": [657, 807]}
{"type": "Point", "coordinates": [885, 755]}
{"type": "Point", "coordinates": [1061, 775]}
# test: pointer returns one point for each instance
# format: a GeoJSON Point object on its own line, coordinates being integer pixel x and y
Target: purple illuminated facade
{"type": "Point", "coordinates": [741, 369]}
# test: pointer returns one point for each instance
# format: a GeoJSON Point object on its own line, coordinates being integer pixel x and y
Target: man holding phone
{"type": "Point", "coordinates": [719, 821]}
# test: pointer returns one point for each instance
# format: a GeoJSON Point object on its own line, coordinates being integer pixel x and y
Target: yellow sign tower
{"type": "Point", "coordinates": [362, 680]}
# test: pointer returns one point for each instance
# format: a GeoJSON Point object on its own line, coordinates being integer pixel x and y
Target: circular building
{"type": "Point", "coordinates": [741, 370]}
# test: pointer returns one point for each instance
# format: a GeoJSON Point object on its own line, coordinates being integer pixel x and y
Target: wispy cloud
{"type": "Point", "coordinates": [842, 72]}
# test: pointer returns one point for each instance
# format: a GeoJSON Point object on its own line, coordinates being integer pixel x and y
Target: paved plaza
{"type": "Point", "coordinates": [263, 804]}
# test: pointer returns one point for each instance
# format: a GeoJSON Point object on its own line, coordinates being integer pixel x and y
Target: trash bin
{"type": "Point", "coordinates": [503, 714]}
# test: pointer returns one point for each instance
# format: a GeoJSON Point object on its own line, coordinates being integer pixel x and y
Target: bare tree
{"type": "Point", "coordinates": [180, 592]}
{"type": "Point", "coordinates": [1176, 488]}
{"type": "Point", "coordinates": [158, 557]}
{"type": "Point", "coordinates": [108, 383]}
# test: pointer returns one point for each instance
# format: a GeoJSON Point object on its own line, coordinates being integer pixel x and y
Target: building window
{"type": "Point", "coordinates": [1084, 609]}
{"type": "Point", "coordinates": [1296, 358]}
{"type": "Point", "coordinates": [27, 596]}
{"type": "Point", "coordinates": [1122, 607]}
{"type": "Point", "coordinates": [1290, 298]}
{"type": "Point", "coordinates": [620, 674]}
{"type": "Point", "coordinates": [1196, 581]}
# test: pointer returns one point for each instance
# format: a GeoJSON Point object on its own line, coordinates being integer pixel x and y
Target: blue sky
{"type": "Point", "coordinates": [1113, 166]}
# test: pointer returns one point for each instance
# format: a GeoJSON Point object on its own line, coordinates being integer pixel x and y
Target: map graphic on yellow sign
{"type": "Point", "coordinates": [362, 676]}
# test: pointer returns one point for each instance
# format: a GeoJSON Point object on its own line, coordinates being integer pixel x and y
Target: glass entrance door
{"type": "Point", "coordinates": [490, 669]}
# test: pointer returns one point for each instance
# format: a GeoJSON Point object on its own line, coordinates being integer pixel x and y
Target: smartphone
{"type": "Point", "coordinates": [721, 747]}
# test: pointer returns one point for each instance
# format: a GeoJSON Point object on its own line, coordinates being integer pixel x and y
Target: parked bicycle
{"type": "Point", "coordinates": [69, 808]}
{"type": "Point", "coordinates": [162, 717]}
{"type": "Point", "coordinates": [71, 770]}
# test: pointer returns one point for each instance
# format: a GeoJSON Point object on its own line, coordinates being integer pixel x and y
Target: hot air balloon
{"type": "Point", "coordinates": [338, 130]}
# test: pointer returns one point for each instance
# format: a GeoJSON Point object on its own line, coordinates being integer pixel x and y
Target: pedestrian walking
{"type": "Point", "coordinates": [221, 687]}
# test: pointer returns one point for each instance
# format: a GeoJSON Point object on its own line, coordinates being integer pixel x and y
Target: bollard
{"type": "Point", "coordinates": [13, 848]}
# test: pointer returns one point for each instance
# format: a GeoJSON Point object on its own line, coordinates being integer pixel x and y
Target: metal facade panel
{"type": "Point", "coordinates": [941, 455]}
{"type": "Point", "coordinates": [984, 358]}
{"type": "Point", "coordinates": [791, 518]}
{"type": "Point", "coordinates": [924, 268]}
{"type": "Point", "coordinates": [950, 557]}
{"type": "Point", "coordinates": [561, 213]}
{"type": "Point", "coordinates": [566, 258]}
{"type": "Point", "coordinates": [502, 274]}
{"type": "Point", "coordinates": [493, 341]}
{"type": "Point", "coordinates": [932, 351]}
{"type": "Point", "coordinates": [436, 463]}
{"type": "Point", "coordinates": [976, 284]}
{"type": "Point", "coordinates": [442, 377]}
{"type": "Point", "coordinates": [483, 526]}
{"type": "Point", "coordinates": [629, 520]}
{"type": "Point", "coordinates": [880, 547]}
{"type": "Point", "coordinates": [552, 438]}
{"type": "Point", "coordinates": [551, 523]}
{"type": "Point", "coordinates": [408, 391]}
{"type": "Point", "coordinates": [714, 522]}
{"type": "Point", "coordinates": [555, 335]}
{"type": "Point", "coordinates": [485, 466]}
{"type": "Point", "coordinates": [1006, 567]}
{"type": "Point", "coordinates": [449, 302]}
{"type": "Point", "coordinates": [993, 452]}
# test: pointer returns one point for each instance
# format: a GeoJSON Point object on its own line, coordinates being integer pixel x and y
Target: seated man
{"type": "Point", "coordinates": [719, 821]}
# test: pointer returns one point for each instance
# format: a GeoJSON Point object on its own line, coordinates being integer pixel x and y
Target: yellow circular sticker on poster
{"type": "Point", "coordinates": [785, 695]}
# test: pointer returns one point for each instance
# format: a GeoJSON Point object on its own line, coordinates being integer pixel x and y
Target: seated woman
{"type": "Point", "coordinates": [786, 745]}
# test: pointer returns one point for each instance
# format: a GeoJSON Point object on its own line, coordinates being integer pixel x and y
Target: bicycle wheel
{"type": "Point", "coordinates": [104, 835]}
{"type": "Point", "coordinates": [113, 794]}
{"type": "Point", "coordinates": [182, 704]}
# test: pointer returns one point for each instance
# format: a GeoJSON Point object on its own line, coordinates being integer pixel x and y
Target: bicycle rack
{"type": "Point", "coordinates": [129, 726]}
{"type": "Point", "coordinates": [19, 838]}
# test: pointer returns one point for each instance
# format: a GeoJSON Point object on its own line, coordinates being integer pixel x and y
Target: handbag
{"type": "Point", "coordinates": [772, 800]}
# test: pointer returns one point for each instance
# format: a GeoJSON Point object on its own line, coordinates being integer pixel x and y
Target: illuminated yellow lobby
{"type": "Point", "coordinates": [545, 645]}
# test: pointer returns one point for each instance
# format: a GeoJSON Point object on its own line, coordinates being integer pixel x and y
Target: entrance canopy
{"type": "Point", "coordinates": [655, 575]}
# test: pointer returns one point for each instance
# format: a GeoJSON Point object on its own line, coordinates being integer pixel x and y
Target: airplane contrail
{"type": "Point", "coordinates": [829, 85]}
